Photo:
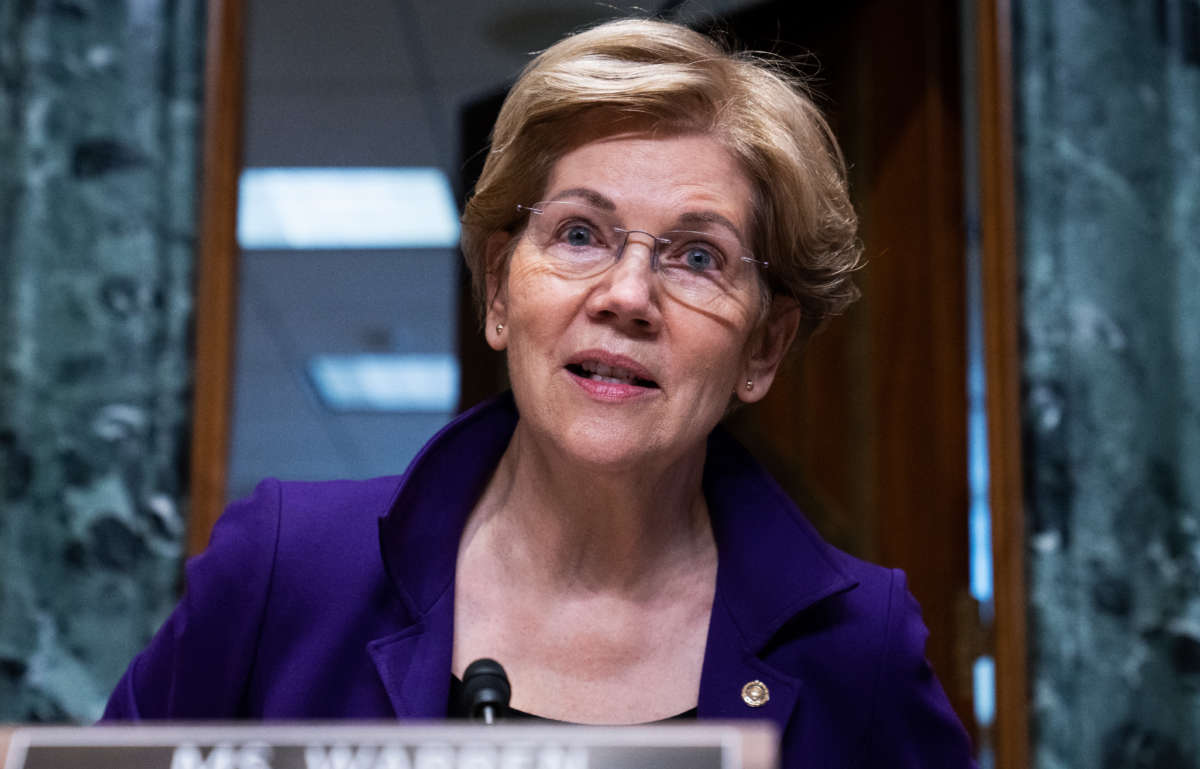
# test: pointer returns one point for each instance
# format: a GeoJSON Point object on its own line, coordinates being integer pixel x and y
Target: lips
{"type": "Point", "coordinates": [599, 366]}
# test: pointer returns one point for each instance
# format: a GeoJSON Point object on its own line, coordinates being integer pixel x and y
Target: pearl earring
{"type": "Point", "coordinates": [499, 328]}
{"type": "Point", "coordinates": [749, 385]}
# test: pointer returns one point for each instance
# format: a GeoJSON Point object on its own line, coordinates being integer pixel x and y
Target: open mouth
{"type": "Point", "coordinates": [602, 372]}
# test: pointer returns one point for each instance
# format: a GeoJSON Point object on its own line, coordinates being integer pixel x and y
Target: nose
{"type": "Point", "coordinates": [628, 292]}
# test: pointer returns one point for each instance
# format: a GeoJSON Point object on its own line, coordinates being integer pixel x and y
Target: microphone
{"type": "Point", "coordinates": [485, 691]}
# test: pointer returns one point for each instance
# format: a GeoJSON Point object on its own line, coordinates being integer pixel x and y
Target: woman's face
{"type": "Point", "coordinates": [623, 367]}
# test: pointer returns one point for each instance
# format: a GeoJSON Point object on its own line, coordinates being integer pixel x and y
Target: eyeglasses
{"type": "Point", "coordinates": [695, 266]}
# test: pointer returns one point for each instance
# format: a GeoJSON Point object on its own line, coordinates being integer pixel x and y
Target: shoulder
{"type": "Point", "coordinates": [324, 514]}
{"type": "Point", "coordinates": [844, 640]}
{"type": "Point", "coordinates": [865, 651]}
{"type": "Point", "coordinates": [319, 504]}
{"type": "Point", "coordinates": [879, 598]}
{"type": "Point", "coordinates": [298, 548]}
{"type": "Point", "coordinates": [286, 520]}
{"type": "Point", "coordinates": [911, 718]}
{"type": "Point", "coordinates": [859, 656]}
{"type": "Point", "coordinates": [288, 549]}
{"type": "Point", "coordinates": [846, 633]}
{"type": "Point", "coordinates": [783, 578]}
{"type": "Point", "coordinates": [876, 630]}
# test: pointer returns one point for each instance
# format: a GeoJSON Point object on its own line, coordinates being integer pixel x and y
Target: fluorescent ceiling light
{"type": "Point", "coordinates": [333, 208]}
{"type": "Point", "coordinates": [372, 382]}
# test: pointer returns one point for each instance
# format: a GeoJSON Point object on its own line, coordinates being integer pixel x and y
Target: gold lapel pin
{"type": "Point", "coordinates": [755, 694]}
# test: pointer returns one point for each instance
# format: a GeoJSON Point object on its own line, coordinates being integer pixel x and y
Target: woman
{"type": "Point", "coordinates": [656, 223]}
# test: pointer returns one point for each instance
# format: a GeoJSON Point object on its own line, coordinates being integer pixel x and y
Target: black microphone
{"type": "Point", "coordinates": [485, 691]}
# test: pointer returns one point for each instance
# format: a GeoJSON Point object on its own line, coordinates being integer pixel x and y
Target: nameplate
{"type": "Point", "coordinates": [322, 746]}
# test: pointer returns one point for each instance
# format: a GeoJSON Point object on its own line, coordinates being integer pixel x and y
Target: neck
{"type": "Point", "coordinates": [561, 524]}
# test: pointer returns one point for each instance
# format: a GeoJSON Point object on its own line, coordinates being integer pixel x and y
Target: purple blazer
{"type": "Point", "coordinates": [336, 600]}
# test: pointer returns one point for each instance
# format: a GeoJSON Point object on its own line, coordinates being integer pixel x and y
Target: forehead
{"type": "Point", "coordinates": [658, 178]}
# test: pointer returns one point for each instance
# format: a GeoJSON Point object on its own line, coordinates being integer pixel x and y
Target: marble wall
{"type": "Point", "coordinates": [1108, 122]}
{"type": "Point", "coordinates": [99, 110]}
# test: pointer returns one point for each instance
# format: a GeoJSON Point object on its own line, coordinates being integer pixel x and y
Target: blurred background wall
{"type": "Point", "coordinates": [1108, 155]}
{"type": "Point", "coordinates": [99, 104]}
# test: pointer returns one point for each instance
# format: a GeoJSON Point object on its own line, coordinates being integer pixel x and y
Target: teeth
{"type": "Point", "coordinates": [604, 373]}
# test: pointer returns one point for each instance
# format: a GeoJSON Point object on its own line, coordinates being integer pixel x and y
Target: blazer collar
{"type": "Point", "coordinates": [418, 537]}
{"type": "Point", "coordinates": [771, 565]}
{"type": "Point", "coordinates": [419, 534]}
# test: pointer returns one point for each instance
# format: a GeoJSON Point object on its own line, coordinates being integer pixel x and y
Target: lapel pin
{"type": "Point", "coordinates": [755, 694]}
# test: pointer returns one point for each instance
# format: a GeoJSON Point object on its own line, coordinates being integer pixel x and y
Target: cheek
{"type": "Point", "coordinates": [535, 292]}
{"type": "Point", "coordinates": [540, 308]}
{"type": "Point", "coordinates": [716, 356]}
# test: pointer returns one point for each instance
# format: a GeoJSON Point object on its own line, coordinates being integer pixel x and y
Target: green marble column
{"type": "Point", "coordinates": [99, 112]}
{"type": "Point", "coordinates": [1108, 122]}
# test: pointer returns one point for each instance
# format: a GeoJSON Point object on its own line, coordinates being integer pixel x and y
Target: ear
{"type": "Point", "coordinates": [497, 290]}
{"type": "Point", "coordinates": [767, 347]}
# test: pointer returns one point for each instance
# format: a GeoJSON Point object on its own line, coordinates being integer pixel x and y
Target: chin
{"type": "Point", "coordinates": [609, 447]}
{"type": "Point", "coordinates": [609, 450]}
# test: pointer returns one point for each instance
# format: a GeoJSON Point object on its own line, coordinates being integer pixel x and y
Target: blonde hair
{"type": "Point", "coordinates": [641, 72]}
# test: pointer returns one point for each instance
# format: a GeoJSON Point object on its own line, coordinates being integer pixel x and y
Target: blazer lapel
{"type": "Point", "coordinates": [414, 663]}
{"type": "Point", "coordinates": [734, 680]}
{"type": "Point", "coordinates": [771, 566]}
{"type": "Point", "coordinates": [418, 540]}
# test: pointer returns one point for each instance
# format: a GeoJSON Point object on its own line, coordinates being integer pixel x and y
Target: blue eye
{"type": "Point", "coordinates": [577, 235]}
{"type": "Point", "coordinates": [699, 259]}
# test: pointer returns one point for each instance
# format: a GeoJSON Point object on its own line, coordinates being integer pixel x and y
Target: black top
{"type": "Point", "coordinates": [457, 709]}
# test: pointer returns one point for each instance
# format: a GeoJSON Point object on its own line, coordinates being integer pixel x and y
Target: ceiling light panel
{"type": "Point", "coordinates": [344, 208]}
{"type": "Point", "coordinates": [383, 382]}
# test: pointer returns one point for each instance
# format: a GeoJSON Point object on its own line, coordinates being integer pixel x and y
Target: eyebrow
{"type": "Point", "coordinates": [687, 219]}
{"type": "Point", "coordinates": [588, 196]}
{"type": "Point", "coordinates": [694, 218]}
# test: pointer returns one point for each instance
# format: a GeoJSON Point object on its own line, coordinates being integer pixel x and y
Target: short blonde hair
{"type": "Point", "coordinates": [642, 72]}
